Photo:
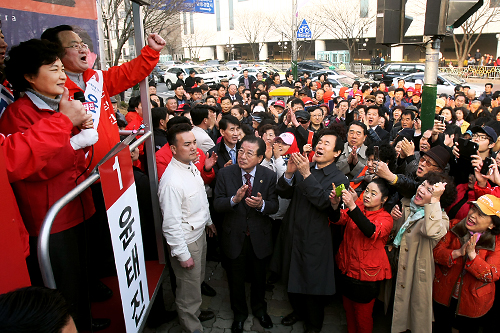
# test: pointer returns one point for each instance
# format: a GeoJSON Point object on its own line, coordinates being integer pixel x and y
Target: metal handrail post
{"type": "Point", "coordinates": [44, 236]}
{"type": "Point", "coordinates": [149, 146]}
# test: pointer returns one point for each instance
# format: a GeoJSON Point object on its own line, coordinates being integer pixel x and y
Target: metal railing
{"type": "Point", "coordinates": [44, 236]}
{"type": "Point", "coordinates": [479, 72]}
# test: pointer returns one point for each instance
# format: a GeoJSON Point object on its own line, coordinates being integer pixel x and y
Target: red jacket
{"type": "Point", "coordinates": [360, 257]}
{"type": "Point", "coordinates": [116, 80]}
{"type": "Point", "coordinates": [37, 191]}
{"type": "Point", "coordinates": [479, 191]}
{"type": "Point", "coordinates": [477, 285]}
{"type": "Point", "coordinates": [460, 194]}
{"type": "Point", "coordinates": [164, 156]}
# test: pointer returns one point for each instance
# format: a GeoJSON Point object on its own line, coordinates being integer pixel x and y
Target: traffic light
{"type": "Point", "coordinates": [392, 23]}
{"type": "Point", "coordinates": [442, 16]}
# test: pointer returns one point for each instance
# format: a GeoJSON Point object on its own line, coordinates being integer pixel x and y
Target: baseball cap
{"type": "Point", "coordinates": [410, 89]}
{"type": "Point", "coordinates": [302, 114]}
{"type": "Point", "coordinates": [307, 100]}
{"type": "Point", "coordinates": [258, 108]}
{"type": "Point", "coordinates": [280, 104]}
{"type": "Point", "coordinates": [224, 80]}
{"type": "Point", "coordinates": [113, 100]}
{"type": "Point", "coordinates": [440, 155]}
{"type": "Point", "coordinates": [486, 130]}
{"type": "Point", "coordinates": [488, 204]}
{"type": "Point", "coordinates": [418, 81]}
{"type": "Point", "coordinates": [288, 139]}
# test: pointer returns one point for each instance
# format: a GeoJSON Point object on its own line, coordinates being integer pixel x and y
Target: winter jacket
{"type": "Point", "coordinates": [37, 192]}
{"type": "Point", "coordinates": [360, 257]}
{"type": "Point", "coordinates": [477, 287]}
{"type": "Point", "coordinates": [116, 80]}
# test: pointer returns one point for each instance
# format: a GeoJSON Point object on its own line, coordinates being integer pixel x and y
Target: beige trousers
{"type": "Point", "coordinates": [188, 292]}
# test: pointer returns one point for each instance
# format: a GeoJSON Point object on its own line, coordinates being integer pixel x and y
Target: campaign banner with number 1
{"type": "Point", "coordinates": [120, 198]}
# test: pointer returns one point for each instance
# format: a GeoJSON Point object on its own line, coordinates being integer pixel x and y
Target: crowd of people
{"type": "Point", "coordinates": [327, 193]}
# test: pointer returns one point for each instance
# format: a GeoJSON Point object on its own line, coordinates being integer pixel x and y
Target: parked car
{"type": "Point", "coordinates": [158, 74]}
{"type": "Point", "coordinates": [315, 75]}
{"type": "Point", "coordinates": [213, 62]}
{"type": "Point", "coordinates": [390, 71]}
{"type": "Point", "coordinates": [445, 83]}
{"type": "Point", "coordinates": [219, 73]}
{"type": "Point", "coordinates": [169, 63]}
{"type": "Point", "coordinates": [171, 74]}
{"type": "Point", "coordinates": [261, 69]}
{"type": "Point", "coordinates": [236, 64]}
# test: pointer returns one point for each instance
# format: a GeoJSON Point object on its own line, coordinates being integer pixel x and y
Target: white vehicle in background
{"type": "Point", "coordinates": [262, 69]}
{"type": "Point", "coordinates": [171, 74]}
{"type": "Point", "coordinates": [339, 81]}
{"type": "Point", "coordinates": [220, 73]}
{"type": "Point", "coordinates": [236, 64]}
{"type": "Point", "coordinates": [445, 83]}
{"type": "Point", "coordinates": [226, 70]}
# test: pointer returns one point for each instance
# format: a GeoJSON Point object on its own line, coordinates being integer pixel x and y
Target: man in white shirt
{"type": "Point", "coordinates": [185, 217]}
{"type": "Point", "coordinates": [203, 118]}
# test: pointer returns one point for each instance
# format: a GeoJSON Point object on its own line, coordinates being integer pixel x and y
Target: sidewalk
{"type": "Point", "coordinates": [278, 307]}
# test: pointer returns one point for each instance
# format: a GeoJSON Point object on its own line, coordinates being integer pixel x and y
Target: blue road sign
{"type": "Point", "coordinates": [202, 6]}
{"type": "Point", "coordinates": [304, 31]}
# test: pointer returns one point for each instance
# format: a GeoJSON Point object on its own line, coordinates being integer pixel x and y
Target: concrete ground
{"type": "Point", "coordinates": [278, 307]}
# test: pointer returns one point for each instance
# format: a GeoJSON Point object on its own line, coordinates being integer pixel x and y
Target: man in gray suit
{"type": "Point", "coordinates": [245, 194]}
{"type": "Point", "coordinates": [353, 159]}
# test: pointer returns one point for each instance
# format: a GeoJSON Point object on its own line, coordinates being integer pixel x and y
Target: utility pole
{"type": "Point", "coordinates": [429, 90]}
{"type": "Point", "coordinates": [294, 40]}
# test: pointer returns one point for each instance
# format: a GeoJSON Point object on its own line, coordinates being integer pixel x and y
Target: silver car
{"type": "Point", "coordinates": [445, 83]}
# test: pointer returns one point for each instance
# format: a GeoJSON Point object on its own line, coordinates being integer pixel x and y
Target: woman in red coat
{"type": "Point", "coordinates": [467, 261]}
{"type": "Point", "coordinates": [35, 68]}
{"type": "Point", "coordinates": [361, 257]}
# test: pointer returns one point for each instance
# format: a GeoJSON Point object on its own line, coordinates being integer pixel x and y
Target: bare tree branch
{"type": "Point", "coordinates": [472, 29]}
{"type": "Point", "coordinates": [253, 26]}
{"type": "Point", "coordinates": [158, 17]}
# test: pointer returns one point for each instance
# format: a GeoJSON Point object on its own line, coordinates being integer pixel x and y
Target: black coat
{"type": "Point", "coordinates": [304, 250]}
{"type": "Point", "coordinates": [251, 80]}
{"type": "Point", "coordinates": [240, 218]}
{"type": "Point", "coordinates": [190, 82]}
{"type": "Point", "coordinates": [379, 135]}
{"type": "Point", "coordinates": [222, 158]}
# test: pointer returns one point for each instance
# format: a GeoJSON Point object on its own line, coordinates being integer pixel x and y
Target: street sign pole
{"type": "Point", "coordinates": [429, 90]}
{"type": "Point", "coordinates": [294, 40]}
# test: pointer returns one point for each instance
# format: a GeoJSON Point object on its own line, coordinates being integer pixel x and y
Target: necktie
{"type": "Point", "coordinates": [232, 154]}
{"type": "Point", "coordinates": [249, 183]}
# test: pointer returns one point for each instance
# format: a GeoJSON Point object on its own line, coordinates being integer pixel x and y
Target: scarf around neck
{"type": "Point", "coordinates": [416, 213]}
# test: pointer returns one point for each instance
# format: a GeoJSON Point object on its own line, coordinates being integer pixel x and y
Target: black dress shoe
{"type": "Point", "coordinates": [99, 324]}
{"type": "Point", "coordinates": [265, 321]}
{"type": "Point", "coordinates": [290, 319]}
{"type": "Point", "coordinates": [99, 292]}
{"type": "Point", "coordinates": [237, 327]}
{"type": "Point", "coordinates": [207, 290]}
{"type": "Point", "coordinates": [206, 315]}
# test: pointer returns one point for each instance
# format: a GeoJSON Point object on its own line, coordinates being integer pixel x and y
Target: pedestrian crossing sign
{"type": "Point", "coordinates": [304, 31]}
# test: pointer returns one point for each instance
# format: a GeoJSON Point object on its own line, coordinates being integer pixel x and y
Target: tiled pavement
{"type": "Point", "coordinates": [277, 304]}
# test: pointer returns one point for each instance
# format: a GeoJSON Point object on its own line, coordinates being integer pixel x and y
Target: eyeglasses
{"type": "Point", "coordinates": [479, 137]}
{"type": "Point", "coordinates": [427, 161]}
{"type": "Point", "coordinates": [78, 46]}
{"type": "Point", "coordinates": [249, 154]}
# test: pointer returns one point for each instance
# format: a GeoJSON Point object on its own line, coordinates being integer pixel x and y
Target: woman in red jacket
{"type": "Point", "coordinates": [361, 257]}
{"type": "Point", "coordinates": [35, 68]}
{"type": "Point", "coordinates": [467, 261]}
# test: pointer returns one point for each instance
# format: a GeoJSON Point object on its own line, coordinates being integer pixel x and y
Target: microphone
{"type": "Point", "coordinates": [89, 106]}
{"type": "Point", "coordinates": [79, 96]}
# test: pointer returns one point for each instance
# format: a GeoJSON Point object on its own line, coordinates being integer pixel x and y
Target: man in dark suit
{"type": "Point", "coordinates": [232, 93]}
{"type": "Point", "coordinates": [376, 133]}
{"type": "Point", "coordinates": [245, 193]}
{"type": "Point", "coordinates": [226, 149]}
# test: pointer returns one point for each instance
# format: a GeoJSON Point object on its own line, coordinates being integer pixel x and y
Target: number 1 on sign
{"type": "Point", "coordinates": [116, 166]}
